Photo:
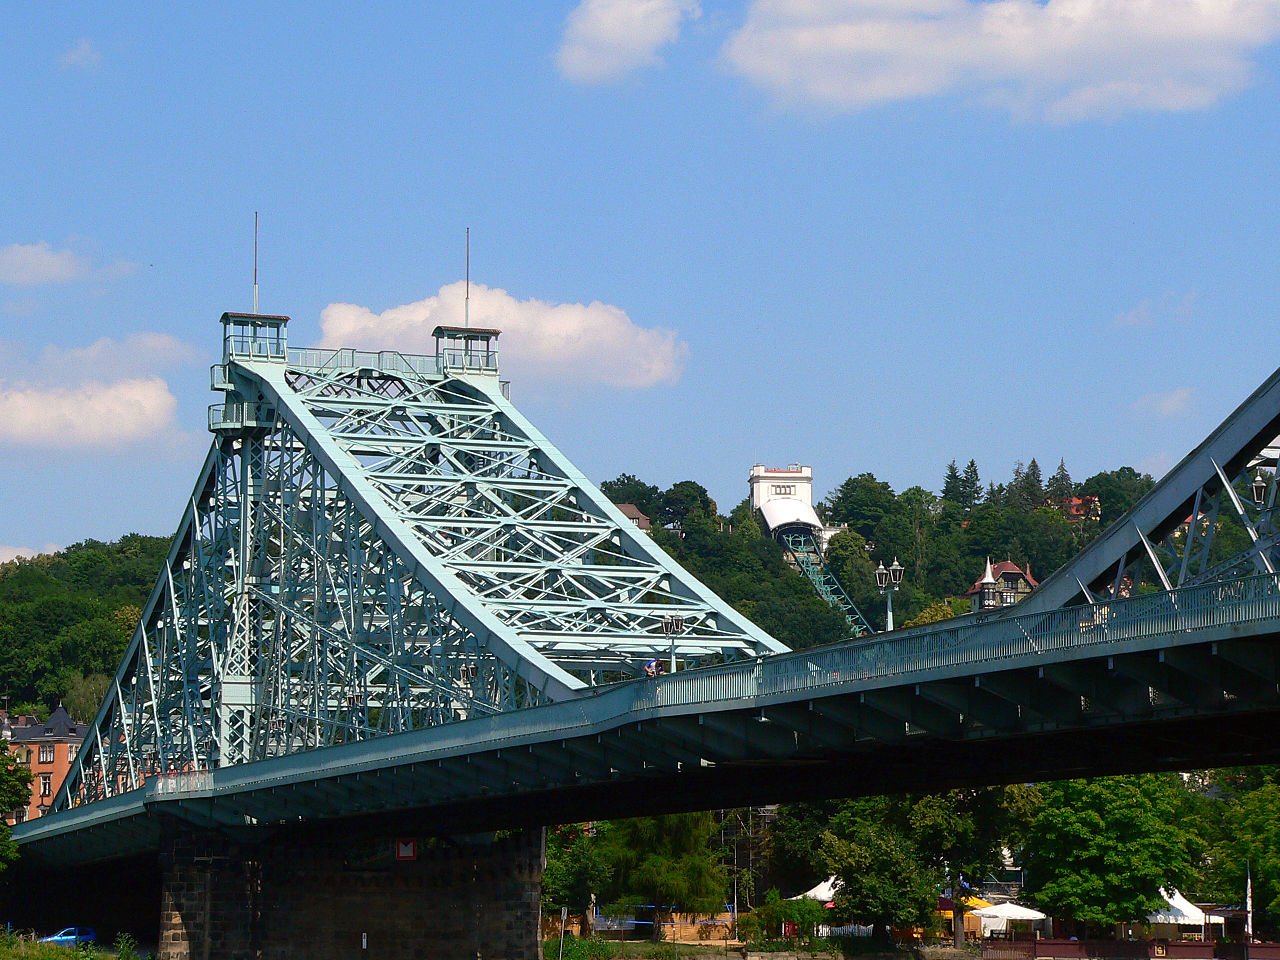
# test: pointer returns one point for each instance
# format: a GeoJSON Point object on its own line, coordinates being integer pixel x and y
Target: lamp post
{"type": "Point", "coordinates": [888, 579]}
{"type": "Point", "coordinates": [1259, 488]}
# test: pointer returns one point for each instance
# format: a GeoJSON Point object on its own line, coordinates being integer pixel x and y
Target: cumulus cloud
{"type": "Point", "coordinates": [605, 40]}
{"type": "Point", "coordinates": [83, 55]}
{"type": "Point", "coordinates": [23, 264]}
{"type": "Point", "coordinates": [28, 264]}
{"type": "Point", "coordinates": [106, 394]}
{"type": "Point", "coordinates": [89, 415]}
{"type": "Point", "coordinates": [1057, 60]}
{"type": "Point", "coordinates": [590, 343]}
{"type": "Point", "coordinates": [1169, 404]}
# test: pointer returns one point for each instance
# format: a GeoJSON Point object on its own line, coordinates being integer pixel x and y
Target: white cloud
{"type": "Point", "coordinates": [1059, 60]}
{"type": "Point", "coordinates": [12, 553]}
{"type": "Point", "coordinates": [139, 354]}
{"type": "Point", "coordinates": [83, 55]}
{"type": "Point", "coordinates": [28, 264]}
{"type": "Point", "coordinates": [23, 264]}
{"type": "Point", "coordinates": [105, 394]}
{"type": "Point", "coordinates": [1175, 308]}
{"type": "Point", "coordinates": [1169, 404]}
{"type": "Point", "coordinates": [607, 39]}
{"type": "Point", "coordinates": [89, 415]}
{"type": "Point", "coordinates": [590, 343]}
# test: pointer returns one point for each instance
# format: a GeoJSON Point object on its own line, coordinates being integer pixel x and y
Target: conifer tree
{"type": "Point", "coordinates": [1059, 487]}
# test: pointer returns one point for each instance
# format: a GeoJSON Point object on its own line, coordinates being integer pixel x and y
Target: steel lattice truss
{"type": "Point", "coordinates": [1213, 516]}
{"type": "Point", "coordinates": [377, 544]}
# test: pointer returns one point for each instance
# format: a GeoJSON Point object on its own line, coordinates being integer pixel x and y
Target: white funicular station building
{"type": "Point", "coordinates": [784, 497]}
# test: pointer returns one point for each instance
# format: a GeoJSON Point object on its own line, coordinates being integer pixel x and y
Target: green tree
{"type": "Point", "coordinates": [1249, 843]}
{"type": "Point", "coordinates": [960, 834]}
{"type": "Point", "coordinates": [666, 861]}
{"type": "Point", "coordinates": [861, 502]}
{"type": "Point", "coordinates": [683, 499]}
{"type": "Point", "coordinates": [936, 612]}
{"type": "Point", "coordinates": [970, 486]}
{"type": "Point", "coordinates": [1098, 851]}
{"type": "Point", "coordinates": [953, 484]}
{"type": "Point", "coordinates": [577, 867]}
{"type": "Point", "coordinates": [1117, 491]}
{"type": "Point", "coordinates": [795, 860]}
{"type": "Point", "coordinates": [884, 881]}
{"type": "Point", "coordinates": [1059, 488]}
{"type": "Point", "coordinates": [628, 488]}
{"type": "Point", "coordinates": [84, 695]}
{"type": "Point", "coordinates": [15, 791]}
{"type": "Point", "coordinates": [1026, 491]}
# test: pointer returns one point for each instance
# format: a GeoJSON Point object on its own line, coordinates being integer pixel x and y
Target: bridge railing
{"type": "Point", "coordinates": [939, 647]}
{"type": "Point", "coordinates": [392, 361]}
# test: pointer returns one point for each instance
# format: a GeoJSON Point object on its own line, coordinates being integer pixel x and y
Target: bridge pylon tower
{"type": "Point", "coordinates": [376, 543]}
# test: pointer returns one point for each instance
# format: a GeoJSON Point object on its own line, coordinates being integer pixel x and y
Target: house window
{"type": "Point", "coordinates": [72, 750]}
{"type": "Point", "coordinates": [46, 784]}
{"type": "Point", "coordinates": [20, 815]}
{"type": "Point", "coordinates": [784, 489]}
{"type": "Point", "coordinates": [46, 753]}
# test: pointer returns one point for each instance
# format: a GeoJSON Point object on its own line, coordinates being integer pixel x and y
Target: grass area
{"type": "Point", "coordinates": [594, 948]}
{"type": "Point", "coordinates": [23, 946]}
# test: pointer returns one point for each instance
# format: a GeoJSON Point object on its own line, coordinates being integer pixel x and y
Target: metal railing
{"type": "Point", "coordinates": [256, 348]}
{"type": "Point", "coordinates": [460, 358]}
{"type": "Point", "coordinates": [392, 361]}
{"type": "Point", "coordinates": [1087, 629]}
{"type": "Point", "coordinates": [939, 647]}
{"type": "Point", "coordinates": [236, 415]}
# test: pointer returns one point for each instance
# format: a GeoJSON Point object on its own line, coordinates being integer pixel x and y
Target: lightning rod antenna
{"type": "Point", "coordinates": [255, 262]}
{"type": "Point", "coordinates": [466, 303]}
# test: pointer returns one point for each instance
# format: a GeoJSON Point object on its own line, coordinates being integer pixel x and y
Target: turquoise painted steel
{"type": "Point", "coordinates": [807, 554]}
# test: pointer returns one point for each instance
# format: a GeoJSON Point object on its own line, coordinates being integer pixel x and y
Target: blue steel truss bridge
{"type": "Point", "coordinates": [392, 601]}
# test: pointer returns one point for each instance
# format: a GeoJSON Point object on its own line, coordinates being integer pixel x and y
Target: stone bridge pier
{"type": "Point", "coordinates": [459, 898]}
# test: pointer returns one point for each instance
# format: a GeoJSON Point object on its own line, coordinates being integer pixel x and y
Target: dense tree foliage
{"type": "Point", "coordinates": [1099, 850]}
{"type": "Point", "coordinates": [885, 880]}
{"type": "Point", "coordinates": [68, 615]}
{"type": "Point", "coordinates": [577, 866]}
{"type": "Point", "coordinates": [664, 863]}
{"type": "Point", "coordinates": [15, 791]}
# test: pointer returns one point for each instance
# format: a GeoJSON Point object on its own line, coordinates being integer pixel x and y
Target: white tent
{"type": "Point", "coordinates": [824, 892]}
{"type": "Point", "coordinates": [997, 916]}
{"type": "Point", "coordinates": [1180, 912]}
{"type": "Point", "coordinates": [1008, 911]}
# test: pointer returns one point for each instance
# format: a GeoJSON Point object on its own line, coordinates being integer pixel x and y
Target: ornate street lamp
{"type": "Point", "coordinates": [888, 579]}
{"type": "Point", "coordinates": [1259, 488]}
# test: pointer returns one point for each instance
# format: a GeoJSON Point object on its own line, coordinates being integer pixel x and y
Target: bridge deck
{"type": "Point", "coordinates": [1200, 652]}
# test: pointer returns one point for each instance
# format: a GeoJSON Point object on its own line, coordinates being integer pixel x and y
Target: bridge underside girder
{"type": "Point", "coordinates": [1174, 706]}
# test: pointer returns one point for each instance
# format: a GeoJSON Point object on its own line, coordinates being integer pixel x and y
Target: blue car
{"type": "Point", "coordinates": [72, 936]}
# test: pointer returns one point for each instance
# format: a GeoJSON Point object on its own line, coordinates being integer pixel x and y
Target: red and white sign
{"type": "Point", "coordinates": [407, 849]}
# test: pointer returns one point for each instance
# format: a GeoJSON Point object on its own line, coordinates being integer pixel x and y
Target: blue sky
{"type": "Point", "coordinates": [869, 235]}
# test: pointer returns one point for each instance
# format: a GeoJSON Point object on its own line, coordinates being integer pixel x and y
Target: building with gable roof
{"type": "Point", "coordinates": [46, 748]}
{"type": "Point", "coordinates": [1001, 585]}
